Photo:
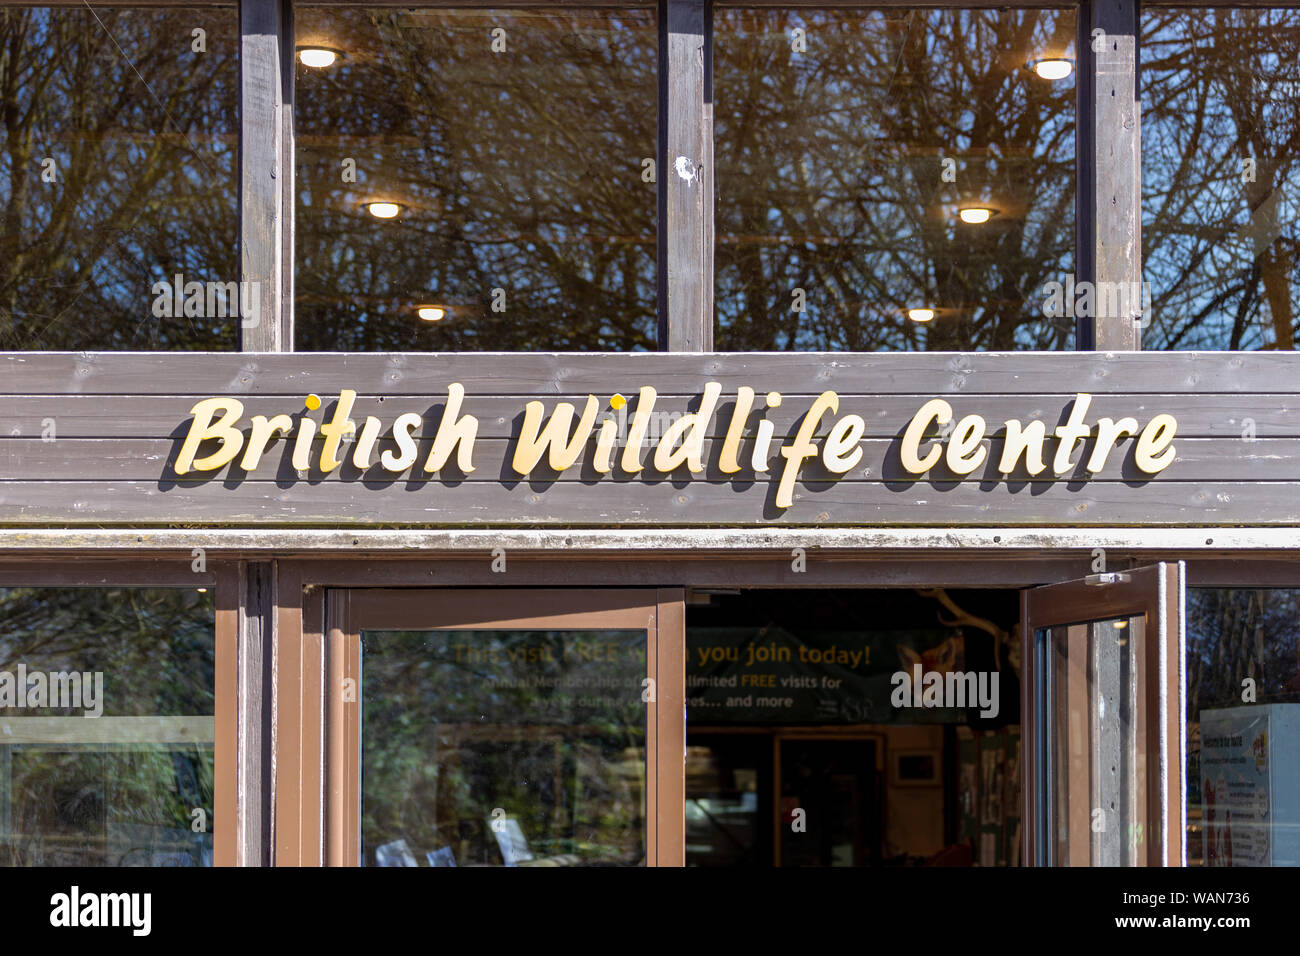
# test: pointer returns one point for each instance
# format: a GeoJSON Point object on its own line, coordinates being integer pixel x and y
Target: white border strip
{"type": "Point", "coordinates": [665, 540]}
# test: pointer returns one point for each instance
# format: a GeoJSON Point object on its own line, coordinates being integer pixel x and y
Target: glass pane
{"type": "Point", "coordinates": [118, 183]}
{"type": "Point", "coordinates": [853, 728]}
{"type": "Point", "coordinates": [833, 781]}
{"type": "Point", "coordinates": [1099, 732]}
{"type": "Point", "coordinates": [893, 179]}
{"type": "Point", "coordinates": [515, 748]}
{"type": "Point", "coordinates": [106, 727]}
{"type": "Point", "coordinates": [1221, 177]}
{"type": "Point", "coordinates": [475, 180]}
{"type": "Point", "coordinates": [1243, 727]}
{"type": "Point", "coordinates": [728, 801]}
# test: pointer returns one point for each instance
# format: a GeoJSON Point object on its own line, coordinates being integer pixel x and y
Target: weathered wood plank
{"type": "Point", "coordinates": [343, 504]}
{"type": "Point", "coordinates": [685, 176]}
{"type": "Point", "coordinates": [544, 374]}
{"type": "Point", "coordinates": [266, 169]}
{"type": "Point", "coordinates": [131, 459]}
{"type": "Point", "coordinates": [133, 731]}
{"type": "Point", "coordinates": [1271, 415]}
{"type": "Point", "coordinates": [1115, 162]}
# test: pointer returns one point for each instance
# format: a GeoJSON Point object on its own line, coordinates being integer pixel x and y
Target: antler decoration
{"type": "Point", "coordinates": [961, 617]}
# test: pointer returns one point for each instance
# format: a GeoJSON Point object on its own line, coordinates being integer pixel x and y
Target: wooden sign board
{"type": "Point", "coordinates": [846, 439]}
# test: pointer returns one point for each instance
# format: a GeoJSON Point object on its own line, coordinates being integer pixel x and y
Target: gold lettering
{"type": "Point", "coordinates": [370, 432]}
{"type": "Point", "coordinates": [691, 451]}
{"type": "Point", "coordinates": [402, 429]}
{"type": "Point", "coordinates": [1024, 440]}
{"type": "Point", "coordinates": [454, 431]}
{"type": "Point", "coordinates": [935, 410]}
{"type": "Point", "coordinates": [334, 430]}
{"type": "Point", "coordinates": [1071, 432]}
{"type": "Point", "coordinates": [645, 404]}
{"type": "Point", "coordinates": [201, 429]}
{"type": "Point", "coordinates": [1155, 450]}
{"type": "Point", "coordinates": [1108, 433]}
{"type": "Point", "coordinates": [605, 446]}
{"type": "Point", "coordinates": [263, 430]}
{"type": "Point", "coordinates": [553, 439]}
{"type": "Point", "coordinates": [302, 444]}
{"type": "Point", "coordinates": [728, 463]}
{"type": "Point", "coordinates": [802, 446]}
{"type": "Point", "coordinates": [842, 449]}
{"type": "Point", "coordinates": [967, 437]}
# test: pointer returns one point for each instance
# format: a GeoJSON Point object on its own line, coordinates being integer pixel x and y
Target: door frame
{"type": "Point", "coordinates": [328, 768]}
{"type": "Point", "coordinates": [1157, 591]}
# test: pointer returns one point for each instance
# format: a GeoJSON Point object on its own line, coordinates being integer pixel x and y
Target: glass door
{"type": "Point", "coordinates": [1104, 702]}
{"type": "Point", "coordinates": [505, 728]}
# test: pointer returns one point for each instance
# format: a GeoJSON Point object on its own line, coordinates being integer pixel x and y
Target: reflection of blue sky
{"type": "Point", "coordinates": [521, 172]}
{"type": "Point", "coordinates": [143, 132]}
{"type": "Point", "coordinates": [1219, 86]}
{"type": "Point", "coordinates": [864, 116]}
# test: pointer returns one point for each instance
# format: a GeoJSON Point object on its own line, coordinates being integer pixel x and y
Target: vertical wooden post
{"type": "Point", "coordinates": [1109, 149]}
{"type": "Point", "coordinates": [266, 172]}
{"type": "Point", "coordinates": [253, 693]}
{"type": "Point", "coordinates": [685, 176]}
{"type": "Point", "coordinates": [266, 198]}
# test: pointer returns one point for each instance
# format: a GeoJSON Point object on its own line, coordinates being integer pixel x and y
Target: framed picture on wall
{"type": "Point", "coordinates": [915, 768]}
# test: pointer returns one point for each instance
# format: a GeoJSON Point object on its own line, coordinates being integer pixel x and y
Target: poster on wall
{"type": "Point", "coordinates": [1235, 786]}
{"type": "Point", "coordinates": [769, 675]}
{"type": "Point", "coordinates": [1250, 785]}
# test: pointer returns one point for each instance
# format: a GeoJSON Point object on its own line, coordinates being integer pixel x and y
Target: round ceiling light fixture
{"type": "Point", "coordinates": [920, 314]}
{"type": "Point", "coordinates": [431, 313]}
{"type": "Point", "coordinates": [1053, 68]}
{"type": "Point", "coordinates": [317, 57]}
{"type": "Point", "coordinates": [382, 209]}
{"type": "Point", "coordinates": [975, 215]}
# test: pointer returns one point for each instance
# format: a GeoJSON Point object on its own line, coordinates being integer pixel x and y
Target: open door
{"type": "Point", "coordinates": [1103, 720]}
{"type": "Point", "coordinates": [491, 727]}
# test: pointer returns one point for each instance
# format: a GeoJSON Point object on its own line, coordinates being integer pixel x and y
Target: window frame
{"type": "Point", "coordinates": [237, 842]}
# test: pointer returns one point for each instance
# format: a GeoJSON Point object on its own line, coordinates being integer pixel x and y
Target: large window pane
{"type": "Point", "coordinates": [106, 727]}
{"type": "Point", "coordinates": [1243, 727]}
{"type": "Point", "coordinates": [503, 748]}
{"type": "Point", "coordinates": [1221, 177]}
{"type": "Point", "coordinates": [851, 146]}
{"type": "Point", "coordinates": [508, 151]}
{"type": "Point", "coordinates": [118, 186]}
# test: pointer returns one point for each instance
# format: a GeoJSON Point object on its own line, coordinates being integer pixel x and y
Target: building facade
{"type": "Point", "coordinates": [650, 434]}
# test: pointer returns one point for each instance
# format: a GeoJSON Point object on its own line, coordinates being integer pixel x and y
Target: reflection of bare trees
{"type": "Point", "coordinates": [1233, 634]}
{"type": "Point", "coordinates": [830, 177]}
{"type": "Point", "coordinates": [519, 170]}
{"type": "Point", "coordinates": [448, 740]}
{"type": "Point", "coordinates": [1221, 176]}
{"type": "Point", "coordinates": [154, 646]}
{"type": "Point", "coordinates": [141, 130]}
{"type": "Point", "coordinates": [89, 803]}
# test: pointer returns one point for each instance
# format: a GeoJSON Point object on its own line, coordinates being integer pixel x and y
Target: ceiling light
{"type": "Point", "coordinates": [383, 210]}
{"type": "Point", "coordinates": [317, 57]}
{"type": "Point", "coordinates": [920, 315]}
{"type": "Point", "coordinates": [1054, 69]}
{"type": "Point", "coordinates": [975, 215]}
{"type": "Point", "coordinates": [431, 313]}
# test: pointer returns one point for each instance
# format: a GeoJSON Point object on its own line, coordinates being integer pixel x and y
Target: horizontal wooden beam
{"type": "Point", "coordinates": [153, 459]}
{"type": "Point", "coordinates": [539, 374]}
{"type": "Point", "coordinates": [1236, 415]}
{"type": "Point", "coordinates": [162, 731]}
{"type": "Point", "coordinates": [93, 440]}
{"type": "Point", "coordinates": [680, 504]}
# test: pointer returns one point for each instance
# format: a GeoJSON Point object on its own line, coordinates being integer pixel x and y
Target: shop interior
{"type": "Point", "coordinates": [805, 746]}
